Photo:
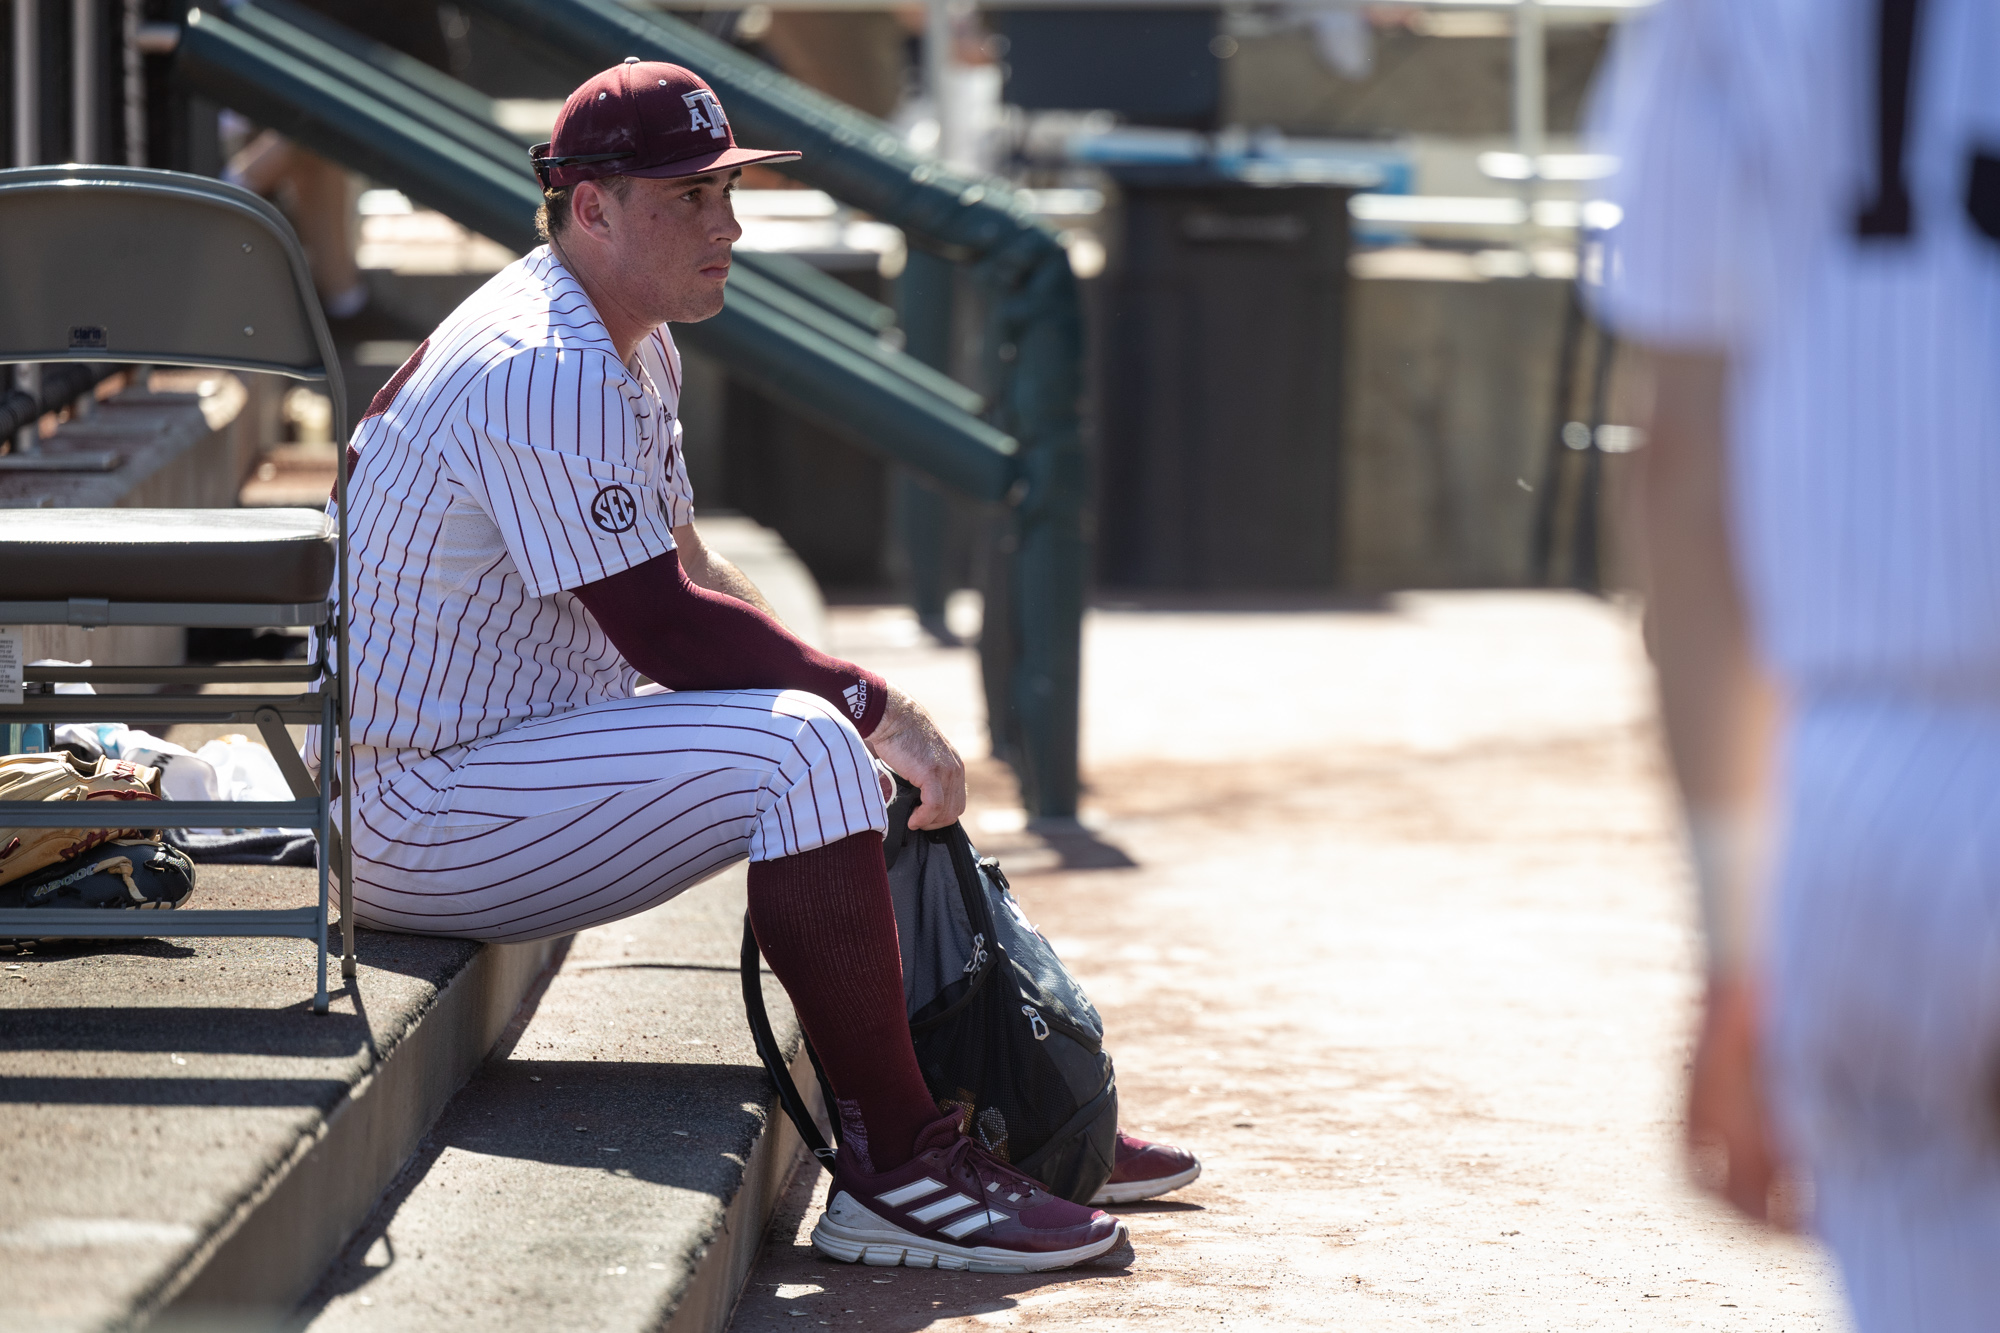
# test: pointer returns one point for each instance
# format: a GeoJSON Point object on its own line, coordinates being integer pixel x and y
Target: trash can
{"type": "Point", "coordinates": [1221, 352]}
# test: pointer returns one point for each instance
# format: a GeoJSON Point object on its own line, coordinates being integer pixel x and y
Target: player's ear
{"type": "Point", "coordinates": [590, 209]}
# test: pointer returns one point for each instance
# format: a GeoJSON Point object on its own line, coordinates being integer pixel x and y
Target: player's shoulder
{"type": "Point", "coordinates": [530, 307]}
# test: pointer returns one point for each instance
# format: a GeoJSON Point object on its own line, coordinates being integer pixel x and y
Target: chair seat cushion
{"type": "Point", "coordinates": [282, 556]}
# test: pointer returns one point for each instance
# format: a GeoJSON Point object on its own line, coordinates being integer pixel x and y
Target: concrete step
{"type": "Point", "coordinates": [187, 1146]}
{"type": "Point", "coordinates": [613, 1168]}
{"type": "Point", "coordinates": [186, 1143]}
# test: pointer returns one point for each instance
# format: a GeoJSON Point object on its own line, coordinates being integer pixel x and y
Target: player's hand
{"type": "Point", "coordinates": [1728, 1132]}
{"type": "Point", "coordinates": [908, 741]}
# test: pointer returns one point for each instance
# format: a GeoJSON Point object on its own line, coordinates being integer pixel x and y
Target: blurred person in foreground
{"type": "Point", "coordinates": [1810, 259]}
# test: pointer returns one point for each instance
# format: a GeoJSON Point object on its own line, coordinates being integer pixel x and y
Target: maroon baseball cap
{"type": "Point", "coordinates": [642, 118]}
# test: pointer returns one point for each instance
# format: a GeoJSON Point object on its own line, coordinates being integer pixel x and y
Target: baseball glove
{"type": "Point", "coordinates": [58, 777]}
{"type": "Point", "coordinates": [123, 873]}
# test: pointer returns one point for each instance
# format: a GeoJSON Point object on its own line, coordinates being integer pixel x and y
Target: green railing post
{"type": "Point", "coordinates": [1038, 336]}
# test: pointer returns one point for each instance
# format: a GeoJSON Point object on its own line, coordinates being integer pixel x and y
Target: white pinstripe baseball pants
{"type": "Point", "coordinates": [1885, 1020]}
{"type": "Point", "coordinates": [597, 813]}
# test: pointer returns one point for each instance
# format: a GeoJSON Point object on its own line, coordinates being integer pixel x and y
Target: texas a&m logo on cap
{"type": "Point", "coordinates": [705, 113]}
{"type": "Point", "coordinates": [643, 118]}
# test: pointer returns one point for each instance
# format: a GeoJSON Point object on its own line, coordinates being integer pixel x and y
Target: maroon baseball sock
{"type": "Point", "coordinates": [828, 929]}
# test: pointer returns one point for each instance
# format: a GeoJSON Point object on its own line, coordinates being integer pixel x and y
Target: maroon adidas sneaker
{"type": "Point", "coordinates": [954, 1206]}
{"type": "Point", "coordinates": [1143, 1170]}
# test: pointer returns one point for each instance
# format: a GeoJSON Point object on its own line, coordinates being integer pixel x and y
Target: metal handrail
{"type": "Point", "coordinates": [349, 110]}
{"type": "Point", "coordinates": [469, 116]}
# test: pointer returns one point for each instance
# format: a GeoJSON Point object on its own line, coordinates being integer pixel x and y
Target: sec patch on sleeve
{"type": "Point", "coordinates": [614, 509]}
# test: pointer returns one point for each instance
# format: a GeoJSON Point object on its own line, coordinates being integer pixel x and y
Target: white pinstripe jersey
{"type": "Point", "coordinates": [517, 458]}
{"type": "Point", "coordinates": [1865, 398]}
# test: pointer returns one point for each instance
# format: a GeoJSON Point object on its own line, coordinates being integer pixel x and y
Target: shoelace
{"type": "Point", "coordinates": [965, 1155]}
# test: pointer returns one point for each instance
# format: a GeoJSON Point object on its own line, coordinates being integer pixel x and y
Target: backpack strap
{"type": "Point", "coordinates": [971, 886]}
{"type": "Point", "coordinates": [978, 911]}
{"type": "Point", "coordinates": [774, 1063]}
{"type": "Point", "coordinates": [978, 915]}
{"type": "Point", "coordinates": [901, 807]}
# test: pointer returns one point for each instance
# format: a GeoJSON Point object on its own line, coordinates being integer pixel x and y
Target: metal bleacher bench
{"type": "Point", "coordinates": [125, 264]}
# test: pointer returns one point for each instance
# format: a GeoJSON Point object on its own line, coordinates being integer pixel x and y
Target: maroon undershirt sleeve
{"type": "Point", "coordinates": [688, 638]}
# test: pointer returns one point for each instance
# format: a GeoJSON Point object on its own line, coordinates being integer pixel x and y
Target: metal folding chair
{"type": "Point", "coordinates": [148, 267]}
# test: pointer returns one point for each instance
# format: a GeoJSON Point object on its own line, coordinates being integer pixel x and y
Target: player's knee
{"type": "Point", "coordinates": [837, 736]}
{"type": "Point", "coordinates": [836, 759]}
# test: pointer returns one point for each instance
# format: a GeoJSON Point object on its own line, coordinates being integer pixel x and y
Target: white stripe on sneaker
{"type": "Point", "coordinates": [911, 1192]}
{"type": "Point", "coordinates": [972, 1222]}
{"type": "Point", "coordinates": [849, 1232]}
{"type": "Point", "coordinates": [931, 1212]}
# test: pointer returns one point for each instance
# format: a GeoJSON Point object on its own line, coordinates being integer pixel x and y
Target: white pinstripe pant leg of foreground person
{"type": "Point", "coordinates": [1885, 995]}
{"type": "Point", "coordinates": [597, 813]}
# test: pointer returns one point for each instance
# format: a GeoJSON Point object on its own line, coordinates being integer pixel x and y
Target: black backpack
{"type": "Point", "coordinates": [1003, 1033]}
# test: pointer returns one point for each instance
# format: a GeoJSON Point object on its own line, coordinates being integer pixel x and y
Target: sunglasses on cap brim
{"type": "Point", "coordinates": [544, 165]}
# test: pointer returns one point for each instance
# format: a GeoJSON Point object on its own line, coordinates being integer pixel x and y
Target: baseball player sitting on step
{"type": "Point", "coordinates": [524, 545]}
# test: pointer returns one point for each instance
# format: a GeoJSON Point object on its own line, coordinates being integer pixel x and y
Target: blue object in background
{"type": "Point", "coordinates": [24, 738]}
{"type": "Point", "coordinates": [1265, 157]}
{"type": "Point", "coordinates": [1142, 155]}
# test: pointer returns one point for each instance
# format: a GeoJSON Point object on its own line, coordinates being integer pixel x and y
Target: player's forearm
{"type": "Point", "coordinates": [1711, 691]}
{"type": "Point", "coordinates": [724, 577]}
{"type": "Point", "coordinates": [691, 638]}
{"type": "Point", "coordinates": [1717, 704]}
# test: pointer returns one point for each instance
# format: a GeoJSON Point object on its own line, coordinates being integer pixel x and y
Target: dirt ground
{"type": "Point", "coordinates": [1386, 919]}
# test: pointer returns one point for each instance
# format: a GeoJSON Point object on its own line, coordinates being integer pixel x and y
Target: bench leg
{"type": "Point", "coordinates": [327, 853]}
{"type": "Point", "coordinates": [319, 938]}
